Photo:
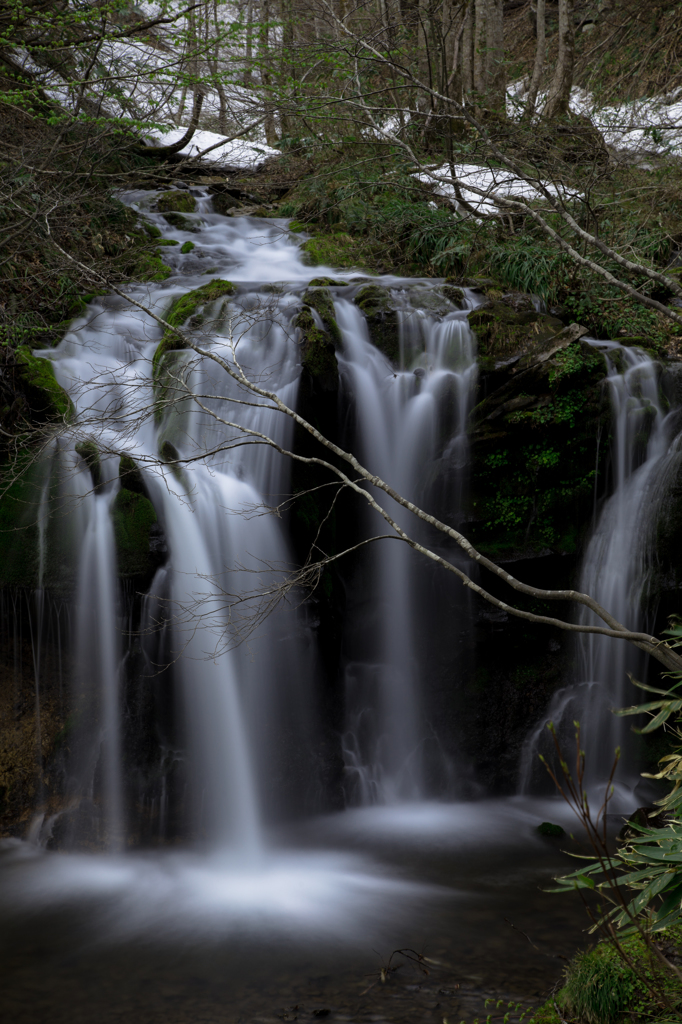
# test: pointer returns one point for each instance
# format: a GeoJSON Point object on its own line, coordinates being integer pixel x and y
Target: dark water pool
{"type": "Point", "coordinates": [299, 933]}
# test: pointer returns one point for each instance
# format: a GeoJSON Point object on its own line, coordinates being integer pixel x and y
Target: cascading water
{"type": "Point", "coordinates": [400, 426]}
{"type": "Point", "coordinates": [615, 571]}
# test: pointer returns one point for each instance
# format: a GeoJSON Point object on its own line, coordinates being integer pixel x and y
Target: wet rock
{"type": "Point", "coordinates": [504, 334]}
{"type": "Point", "coordinates": [89, 453]}
{"type": "Point", "coordinates": [318, 358]}
{"type": "Point", "coordinates": [382, 319]}
{"type": "Point", "coordinates": [433, 299]}
{"type": "Point", "coordinates": [131, 477]}
{"type": "Point", "coordinates": [320, 299]}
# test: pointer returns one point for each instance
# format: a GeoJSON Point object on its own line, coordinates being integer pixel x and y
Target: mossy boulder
{"type": "Point", "coordinates": [176, 202]}
{"type": "Point", "coordinates": [180, 223]}
{"type": "Point", "coordinates": [136, 534]}
{"type": "Point", "coordinates": [224, 203]}
{"type": "Point", "coordinates": [382, 319]}
{"type": "Point", "coordinates": [434, 299]}
{"type": "Point", "coordinates": [35, 377]}
{"type": "Point", "coordinates": [318, 358]}
{"type": "Point", "coordinates": [186, 247]}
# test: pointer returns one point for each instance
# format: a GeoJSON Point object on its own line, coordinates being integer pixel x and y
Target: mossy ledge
{"type": "Point", "coordinates": [46, 398]}
{"type": "Point", "coordinates": [180, 312]}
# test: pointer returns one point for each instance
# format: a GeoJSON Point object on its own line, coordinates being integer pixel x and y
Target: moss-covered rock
{"type": "Point", "coordinates": [186, 247]}
{"type": "Point", "coordinates": [320, 299]}
{"type": "Point", "coordinates": [89, 453]}
{"type": "Point", "coordinates": [318, 359]}
{"type": "Point", "coordinates": [176, 202]}
{"type": "Point", "coordinates": [35, 377]}
{"type": "Point", "coordinates": [133, 518]}
{"type": "Point", "coordinates": [180, 223]}
{"type": "Point", "coordinates": [186, 307]}
{"type": "Point", "coordinates": [382, 319]}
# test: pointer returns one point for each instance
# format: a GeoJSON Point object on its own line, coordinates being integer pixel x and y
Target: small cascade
{"type": "Point", "coordinates": [615, 570]}
{"type": "Point", "coordinates": [98, 658]}
{"type": "Point", "coordinates": [406, 420]}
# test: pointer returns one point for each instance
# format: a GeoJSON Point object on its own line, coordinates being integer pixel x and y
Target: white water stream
{"type": "Point", "coordinates": [615, 571]}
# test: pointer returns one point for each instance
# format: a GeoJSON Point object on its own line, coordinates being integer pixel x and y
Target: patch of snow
{"type": "Point", "coordinates": [238, 153]}
{"type": "Point", "coordinates": [479, 186]}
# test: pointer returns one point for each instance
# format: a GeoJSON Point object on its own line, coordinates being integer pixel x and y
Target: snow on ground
{"type": "Point", "coordinates": [644, 127]}
{"type": "Point", "coordinates": [491, 181]}
{"type": "Point", "coordinates": [238, 153]}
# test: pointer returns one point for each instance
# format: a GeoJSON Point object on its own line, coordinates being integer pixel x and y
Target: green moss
{"type": "Point", "coordinates": [177, 202]}
{"type": "Point", "coordinates": [382, 319]}
{"type": "Point", "coordinates": [152, 230]}
{"type": "Point", "coordinates": [167, 241]}
{"type": "Point", "coordinates": [133, 516]}
{"type": "Point", "coordinates": [150, 267]}
{"type": "Point", "coordinates": [326, 282]}
{"type": "Point", "coordinates": [46, 398]}
{"type": "Point", "coordinates": [186, 247]}
{"type": "Point", "coordinates": [89, 453]}
{"type": "Point", "coordinates": [317, 352]}
{"type": "Point", "coordinates": [337, 250]}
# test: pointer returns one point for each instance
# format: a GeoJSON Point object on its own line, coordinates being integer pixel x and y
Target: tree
{"type": "Point", "coordinates": [560, 89]}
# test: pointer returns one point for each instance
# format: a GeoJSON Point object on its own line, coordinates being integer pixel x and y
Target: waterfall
{"type": "Point", "coordinates": [616, 568]}
{"type": "Point", "coordinates": [399, 423]}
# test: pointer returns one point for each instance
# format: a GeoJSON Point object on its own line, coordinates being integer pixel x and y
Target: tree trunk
{"type": "Point", "coordinates": [480, 40]}
{"type": "Point", "coordinates": [540, 51]}
{"type": "Point", "coordinates": [560, 89]}
{"type": "Point", "coordinates": [495, 72]}
{"type": "Point", "coordinates": [468, 53]}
